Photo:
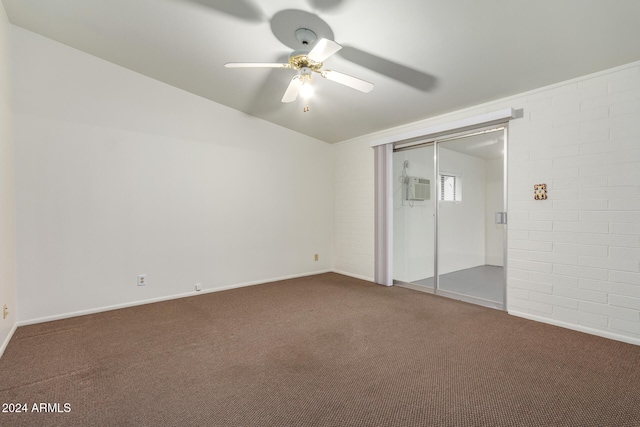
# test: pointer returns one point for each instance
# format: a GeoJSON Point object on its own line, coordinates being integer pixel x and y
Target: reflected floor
{"type": "Point", "coordinates": [485, 282]}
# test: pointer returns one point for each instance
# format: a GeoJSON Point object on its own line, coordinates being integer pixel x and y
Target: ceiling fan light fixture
{"type": "Point", "coordinates": [306, 89]}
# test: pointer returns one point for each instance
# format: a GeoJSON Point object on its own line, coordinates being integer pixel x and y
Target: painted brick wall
{"type": "Point", "coordinates": [573, 259]}
{"type": "Point", "coordinates": [354, 213]}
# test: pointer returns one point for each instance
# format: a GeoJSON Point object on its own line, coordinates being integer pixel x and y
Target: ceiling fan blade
{"type": "Point", "coordinates": [409, 76]}
{"type": "Point", "coordinates": [325, 5]}
{"type": "Point", "coordinates": [323, 49]}
{"type": "Point", "coordinates": [293, 89]}
{"type": "Point", "coordinates": [241, 9]}
{"type": "Point", "coordinates": [352, 82]}
{"type": "Point", "coordinates": [256, 65]}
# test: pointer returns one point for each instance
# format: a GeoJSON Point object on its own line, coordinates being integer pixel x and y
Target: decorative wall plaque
{"type": "Point", "coordinates": [540, 192]}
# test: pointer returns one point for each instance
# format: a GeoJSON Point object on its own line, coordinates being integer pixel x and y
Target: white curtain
{"type": "Point", "coordinates": [383, 214]}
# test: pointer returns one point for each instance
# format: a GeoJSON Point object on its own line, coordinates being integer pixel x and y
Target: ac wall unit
{"type": "Point", "coordinates": [418, 189]}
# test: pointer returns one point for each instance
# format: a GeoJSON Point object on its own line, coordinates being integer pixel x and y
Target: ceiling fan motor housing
{"type": "Point", "coordinates": [299, 59]}
{"type": "Point", "coordinates": [306, 36]}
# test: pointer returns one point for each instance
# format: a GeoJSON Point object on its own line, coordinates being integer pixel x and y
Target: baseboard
{"type": "Point", "coordinates": [355, 276]}
{"type": "Point", "coordinates": [6, 341]}
{"type": "Point", "coordinates": [160, 299]}
{"type": "Point", "coordinates": [579, 328]}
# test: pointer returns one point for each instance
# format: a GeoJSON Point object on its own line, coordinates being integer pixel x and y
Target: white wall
{"type": "Point", "coordinates": [353, 215]}
{"type": "Point", "coordinates": [119, 175]}
{"type": "Point", "coordinates": [7, 197]}
{"type": "Point", "coordinates": [574, 259]}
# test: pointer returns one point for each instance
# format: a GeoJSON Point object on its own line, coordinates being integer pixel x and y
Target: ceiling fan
{"type": "Point", "coordinates": [307, 62]}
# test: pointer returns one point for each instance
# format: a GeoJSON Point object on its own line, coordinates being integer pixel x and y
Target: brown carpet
{"type": "Point", "coordinates": [326, 350]}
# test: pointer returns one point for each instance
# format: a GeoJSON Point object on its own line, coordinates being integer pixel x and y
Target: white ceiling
{"type": "Point", "coordinates": [426, 57]}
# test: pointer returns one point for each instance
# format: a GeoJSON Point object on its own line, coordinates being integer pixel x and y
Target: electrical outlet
{"type": "Point", "coordinates": [315, 257]}
{"type": "Point", "coordinates": [5, 311]}
{"type": "Point", "coordinates": [142, 279]}
{"type": "Point", "coordinates": [198, 287]}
